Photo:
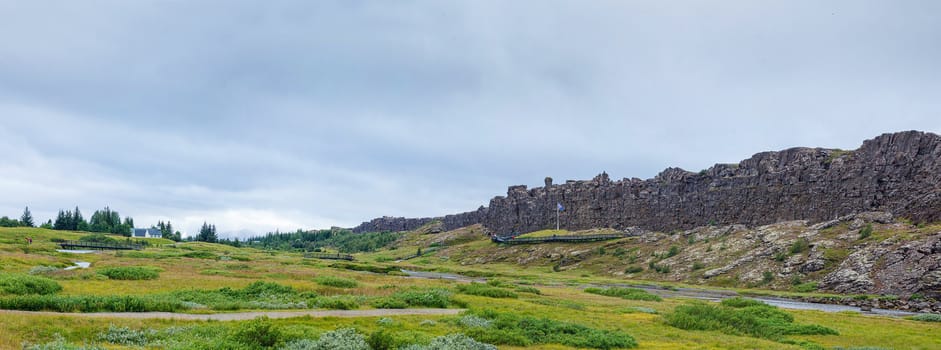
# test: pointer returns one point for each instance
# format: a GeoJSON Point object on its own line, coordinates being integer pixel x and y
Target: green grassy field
{"type": "Point", "coordinates": [225, 279]}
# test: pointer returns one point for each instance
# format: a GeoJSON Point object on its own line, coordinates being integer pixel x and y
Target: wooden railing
{"type": "Point", "coordinates": [99, 245]}
{"type": "Point", "coordinates": [328, 256]}
{"type": "Point", "coordinates": [423, 252]}
{"type": "Point", "coordinates": [559, 238]}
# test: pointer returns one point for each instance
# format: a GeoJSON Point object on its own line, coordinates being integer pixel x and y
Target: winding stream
{"type": "Point", "coordinates": [702, 294]}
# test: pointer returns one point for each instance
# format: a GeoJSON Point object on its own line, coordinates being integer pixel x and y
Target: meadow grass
{"type": "Point", "coordinates": [481, 289]}
{"type": "Point", "coordinates": [26, 284]}
{"type": "Point", "coordinates": [560, 301]}
{"type": "Point", "coordinates": [624, 293]}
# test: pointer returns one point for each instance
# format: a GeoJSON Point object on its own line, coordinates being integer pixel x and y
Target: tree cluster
{"type": "Point", "coordinates": [26, 220]}
{"type": "Point", "coordinates": [207, 233]}
{"type": "Point", "coordinates": [71, 221]}
{"type": "Point", "coordinates": [166, 231]}
{"type": "Point", "coordinates": [104, 221]}
{"type": "Point", "coordinates": [340, 239]}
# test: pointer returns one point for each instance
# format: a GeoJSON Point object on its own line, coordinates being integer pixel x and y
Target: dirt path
{"type": "Point", "coordinates": [242, 315]}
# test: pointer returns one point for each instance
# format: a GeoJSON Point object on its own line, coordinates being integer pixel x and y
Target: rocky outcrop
{"type": "Point", "coordinates": [898, 173]}
{"type": "Point", "coordinates": [890, 267]}
{"type": "Point", "coordinates": [393, 224]}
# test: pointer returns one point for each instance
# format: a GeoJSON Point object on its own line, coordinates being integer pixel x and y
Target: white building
{"type": "Point", "coordinates": [146, 233]}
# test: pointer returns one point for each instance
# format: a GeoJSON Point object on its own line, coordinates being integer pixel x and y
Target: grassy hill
{"type": "Point", "coordinates": [210, 278]}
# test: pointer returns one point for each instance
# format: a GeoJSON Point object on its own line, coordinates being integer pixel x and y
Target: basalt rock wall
{"type": "Point", "coordinates": [898, 173]}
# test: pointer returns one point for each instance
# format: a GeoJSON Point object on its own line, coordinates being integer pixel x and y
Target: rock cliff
{"type": "Point", "coordinates": [898, 173]}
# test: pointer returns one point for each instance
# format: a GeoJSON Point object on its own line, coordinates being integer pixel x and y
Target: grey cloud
{"type": "Point", "coordinates": [329, 113]}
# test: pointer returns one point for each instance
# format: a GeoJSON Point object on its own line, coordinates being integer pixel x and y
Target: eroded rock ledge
{"type": "Point", "coordinates": [898, 173]}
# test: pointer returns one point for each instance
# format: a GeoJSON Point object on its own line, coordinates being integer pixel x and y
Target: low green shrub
{"type": "Point", "coordinates": [432, 297]}
{"type": "Point", "coordinates": [636, 309]}
{"type": "Point", "coordinates": [515, 330]}
{"type": "Point", "coordinates": [131, 273]}
{"type": "Point", "coordinates": [865, 232]}
{"type": "Point", "coordinates": [339, 302]}
{"type": "Point", "coordinates": [258, 332]}
{"type": "Point", "coordinates": [258, 295]}
{"type": "Point", "coordinates": [527, 289]}
{"type": "Point", "coordinates": [927, 317]}
{"type": "Point", "coordinates": [43, 270]}
{"type": "Point", "coordinates": [338, 282]}
{"type": "Point", "coordinates": [26, 284]}
{"type": "Point", "coordinates": [799, 246]}
{"type": "Point", "coordinates": [261, 288]}
{"type": "Point", "coordinates": [739, 316]}
{"type": "Point", "coordinates": [367, 268]}
{"type": "Point", "coordinates": [91, 303]}
{"type": "Point", "coordinates": [452, 342]}
{"type": "Point", "coordinates": [474, 321]}
{"type": "Point", "coordinates": [199, 255]}
{"type": "Point", "coordinates": [805, 287]}
{"type": "Point", "coordinates": [382, 340]}
{"type": "Point", "coordinates": [59, 344]}
{"type": "Point", "coordinates": [659, 268]}
{"type": "Point", "coordinates": [698, 266]}
{"type": "Point", "coordinates": [388, 303]}
{"type": "Point", "coordinates": [739, 302]}
{"type": "Point", "coordinates": [484, 290]}
{"type": "Point", "coordinates": [634, 269]}
{"type": "Point", "coordinates": [559, 303]}
{"type": "Point", "coordinates": [340, 339]}
{"type": "Point", "coordinates": [496, 282]}
{"type": "Point", "coordinates": [624, 293]}
{"type": "Point", "coordinates": [128, 337]}
{"type": "Point", "coordinates": [767, 277]}
{"type": "Point", "coordinates": [673, 251]}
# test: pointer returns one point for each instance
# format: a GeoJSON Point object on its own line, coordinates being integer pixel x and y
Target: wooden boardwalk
{"type": "Point", "coordinates": [328, 256]}
{"type": "Point", "coordinates": [558, 238]}
{"type": "Point", "coordinates": [99, 246]}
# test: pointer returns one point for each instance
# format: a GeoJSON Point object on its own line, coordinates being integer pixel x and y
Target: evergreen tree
{"type": "Point", "coordinates": [27, 218]}
{"type": "Point", "coordinates": [78, 222]}
{"type": "Point", "coordinates": [207, 233]}
{"type": "Point", "coordinates": [109, 221]}
{"type": "Point", "coordinates": [127, 227]}
{"type": "Point", "coordinates": [69, 222]}
{"type": "Point", "coordinates": [166, 229]}
{"type": "Point", "coordinates": [47, 225]}
{"type": "Point", "coordinates": [101, 221]}
{"type": "Point", "coordinates": [62, 222]}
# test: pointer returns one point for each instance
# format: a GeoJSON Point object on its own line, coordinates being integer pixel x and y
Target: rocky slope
{"type": "Point", "coordinates": [866, 253]}
{"type": "Point", "coordinates": [898, 173]}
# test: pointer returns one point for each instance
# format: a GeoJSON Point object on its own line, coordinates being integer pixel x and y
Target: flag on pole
{"type": "Point", "coordinates": [560, 207]}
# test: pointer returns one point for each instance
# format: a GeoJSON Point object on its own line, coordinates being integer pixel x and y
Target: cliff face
{"type": "Point", "coordinates": [898, 173]}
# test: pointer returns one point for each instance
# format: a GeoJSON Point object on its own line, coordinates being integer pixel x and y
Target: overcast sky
{"type": "Point", "coordinates": [264, 115]}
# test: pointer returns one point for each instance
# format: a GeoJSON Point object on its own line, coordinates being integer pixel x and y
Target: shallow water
{"type": "Point", "coordinates": [702, 294]}
{"type": "Point", "coordinates": [441, 275]}
{"type": "Point", "coordinates": [79, 265]}
{"type": "Point", "coordinates": [74, 251]}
